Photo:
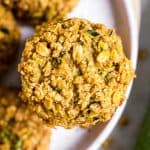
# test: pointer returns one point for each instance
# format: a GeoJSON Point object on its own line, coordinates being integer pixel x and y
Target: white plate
{"type": "Point", "coordinates": [117, 14]}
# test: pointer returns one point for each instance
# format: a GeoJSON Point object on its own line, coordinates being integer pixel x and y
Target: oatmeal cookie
{"type": "Point", "coordinates": [37, 11]}
{"type": "Point", "coordinates": [20, 129]}
{"type": "Point", "coordinates": [9, 39]}
{"type": "Point", "coordinates": [74, 72]}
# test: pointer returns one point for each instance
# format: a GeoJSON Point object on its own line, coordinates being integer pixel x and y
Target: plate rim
{"type": "Point", "coordinates": [134, 36]}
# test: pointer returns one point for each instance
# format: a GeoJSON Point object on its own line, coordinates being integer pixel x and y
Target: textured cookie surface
{"type": "Point", "coordinates": [74, 72]}
{"type": "Point", "coordinates": [20, 129]}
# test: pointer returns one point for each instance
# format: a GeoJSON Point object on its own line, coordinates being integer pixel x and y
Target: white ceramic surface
{"type": "Point", "coordinates": [117, 14]}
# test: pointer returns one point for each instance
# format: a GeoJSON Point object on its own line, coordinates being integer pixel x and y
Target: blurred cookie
{"type": "Point", "coordinates": [20, 129]}
{"type": "Point", "coordinates": [37, 11]}
{"type": "Point", "coordinates": [9, 39]}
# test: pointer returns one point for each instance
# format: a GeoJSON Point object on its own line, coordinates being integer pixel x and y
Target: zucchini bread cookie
{"type": "Point", "coordinates": [9, 39]}
{"type": "Point", "coordinates": [74, 72]}
{"type": "Point", "coordinates": [36, 11]}
{"type": "Point", "coordinates": [19, 128]}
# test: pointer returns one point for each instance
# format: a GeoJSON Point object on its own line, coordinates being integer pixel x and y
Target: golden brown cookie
{"type": "Point", "coordinates": [20, 129]}
{"type": "Point", "coordinates": [37, 11]}
{"type": "Point", "coordinates": [9, 39]}
{"type": "Point", "coordinates": [74, 72]}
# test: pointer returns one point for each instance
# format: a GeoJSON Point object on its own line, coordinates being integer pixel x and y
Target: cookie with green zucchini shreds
{"type": "Point", "coordinates": [37, 11]}
{"type": "Point", "coordinates": [19, 128]}
{"type": "Point", "coordinates": [74, 72]}
{"type": "Point", "coordinates": [9, 39]}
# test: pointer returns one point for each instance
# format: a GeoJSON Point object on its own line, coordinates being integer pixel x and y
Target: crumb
{"type": "Point", "coordinates": [143, 53]}
{"type": "Point", "coordinates": [124, 121]}
{"type": "Point", "coordinates": [106, 145]}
